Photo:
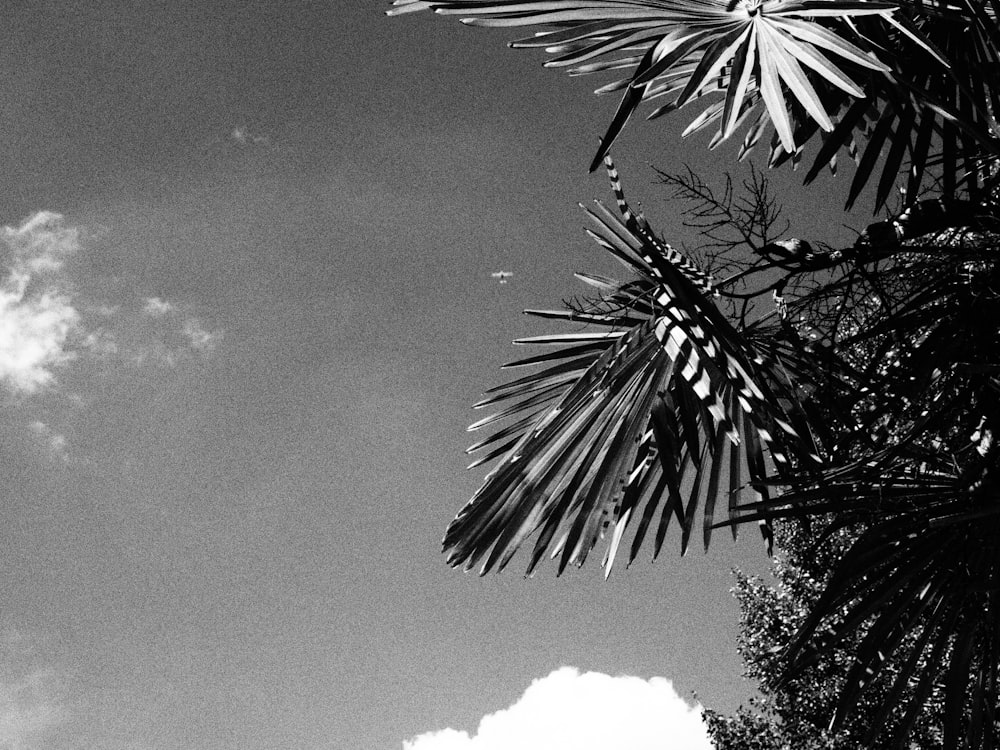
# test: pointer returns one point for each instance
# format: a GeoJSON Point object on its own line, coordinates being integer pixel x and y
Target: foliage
{"type": "Point", "coordinates": [609, 431]}
{"type": "Point", "coordinates": [834, 68]}
{"type": "Point", "coordinates": [796, 714]}
{"type": "Point", "coordinates": [858, 386]}
{"type": "Point", "coordinates": [854, 362]}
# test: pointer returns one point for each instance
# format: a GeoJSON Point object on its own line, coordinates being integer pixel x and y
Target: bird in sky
{"type": "Point", "coordinates": [502, 275]}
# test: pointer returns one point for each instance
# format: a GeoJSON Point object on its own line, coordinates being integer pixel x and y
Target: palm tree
{"type": "Point", "coordinates": [869, 394]}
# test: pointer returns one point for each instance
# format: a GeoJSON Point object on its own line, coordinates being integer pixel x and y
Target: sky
{"type": "Point", "coordinates": [245, 305]}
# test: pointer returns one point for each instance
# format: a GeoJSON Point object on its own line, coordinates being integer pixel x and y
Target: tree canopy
{"type": "Point", "coordinates": [796, 713]}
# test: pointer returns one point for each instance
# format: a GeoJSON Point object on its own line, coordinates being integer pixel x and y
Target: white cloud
{"type": "Point", "coordinates": [37, 314]}
{"type": "Point", "coordinates": [60, 325]}
{"type": "Point", "coordinates": [41, 244]}
{"type": "Point", "coordinates": [568, 710]}
{"type": "Point", "coordinates": [201, 340]}
{"type": "Point", "coordinates": [446, 739]}
{"type": "Point", "coordinates": [49, 317]}
{"type": "Point", "coordinates": [53, 441]}
{"type": "Point", "coordinates": [99, 341]}
{"type": "Point", "coordinates": [157, 307]}
{"type": "Point", "coordinates": [26, 710]}
{"type": "Point", "coordinates": [29, 695]}
{"type": "Point", "coordinates": [244, 137]}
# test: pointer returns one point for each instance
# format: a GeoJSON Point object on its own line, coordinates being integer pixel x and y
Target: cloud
{"type": "Point", "coordinates": [37, 314]}
{"type": "Point", "coordinates": [590, 711]}
{"type": "Point", "coordinates": [61, 325]}
{"type": "Point", "coordinates": [244, 137]}
{"type": "Point", "coordinates": [26, 710]}
{"type": "Point", "coordinates": [156, 307]}
{"type": "Point", "coordinates": [52, 440]}
{"type": "Point", "coordinates": [186, 332]}
{"type": "Point", "coordinates": [50, 317]}
{"type": "Point", "coordinates": [29, 695]}
{"type": "Point", "coordinates": [41, 244]}
{"type": "Point", "coordinates": [201, 340]}
{"type": "Point", "coordinates": [163, 343]}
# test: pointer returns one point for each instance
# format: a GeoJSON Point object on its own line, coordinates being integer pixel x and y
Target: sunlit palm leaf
{"type": "Point", "coordinates": [928, 67]}
{"type": "Point", "coordinates": [769, 40]}
{"type": "Point", "coordinates": [632, 422]}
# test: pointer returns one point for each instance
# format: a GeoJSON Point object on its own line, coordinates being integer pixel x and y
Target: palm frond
{"type": "Point", "coordinates": [638, 420]}
{"type": "Point", "coordinates": [928, 67]}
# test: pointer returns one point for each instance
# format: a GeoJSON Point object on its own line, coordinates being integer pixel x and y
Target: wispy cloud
{"type": "Point", "coordinates": [54, 442]}
{"type": "Point", "coordinates": [29, 696]}
{"type": "Point", "coordinates": [201, 339]}
{"type": "Point", "coordinates": [169, 334]}
{"type": "Point", "coordinates": [244, 137]}
{"type": "Point", "coordinates": [156, 307]}
{"type": "Point", "coordinates": [55, 320]}
{"type": "Point", "coordinates": [568, 710]}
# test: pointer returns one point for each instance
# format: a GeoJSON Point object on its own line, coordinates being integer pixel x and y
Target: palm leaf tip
{"type": "Point", "coordinates": [409, 6]}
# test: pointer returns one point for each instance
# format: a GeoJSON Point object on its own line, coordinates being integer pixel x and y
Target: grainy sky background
{"type": "Point", "coordinates": [245, 305]}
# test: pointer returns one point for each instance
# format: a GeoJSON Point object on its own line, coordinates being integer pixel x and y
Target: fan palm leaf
{"type": "Point", "coordinates": [634, 422]}
{"type": "Point", "coordinates": [925, 68]}
{"type": "Point", "coordinates": [773, 41]}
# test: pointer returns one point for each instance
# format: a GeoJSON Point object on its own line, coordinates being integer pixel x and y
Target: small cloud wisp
{"type": "Point", "coordinates": [243, 137]}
